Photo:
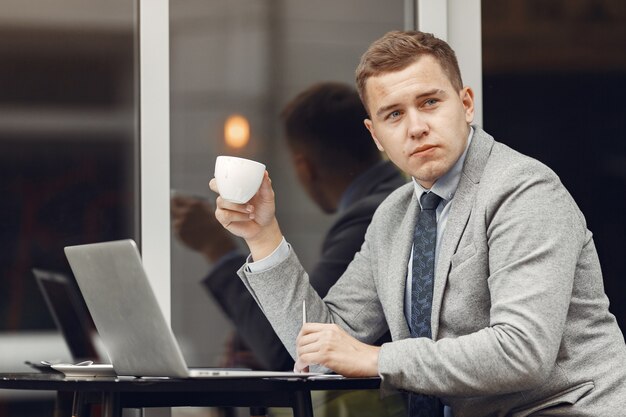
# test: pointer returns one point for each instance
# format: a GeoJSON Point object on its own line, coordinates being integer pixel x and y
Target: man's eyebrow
{"type": "Point", "coordinates": [433, 92]}
{"type": "Point", "coordinates": [385, 109]}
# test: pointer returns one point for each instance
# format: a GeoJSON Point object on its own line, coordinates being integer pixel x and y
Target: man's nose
{"type": "Point", "coordinates": [417, 124]}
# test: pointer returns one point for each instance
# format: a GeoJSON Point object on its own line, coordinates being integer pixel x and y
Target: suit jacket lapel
{"type": "Point", "coordinates": [460, 209]}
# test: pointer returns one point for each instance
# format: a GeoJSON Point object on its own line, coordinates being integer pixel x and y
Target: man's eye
{"type": "Point", "coordinates": [394, 114]}
{"type": "Point", "coordinates": [431, 102]}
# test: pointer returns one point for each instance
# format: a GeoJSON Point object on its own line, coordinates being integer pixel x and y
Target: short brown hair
{"type": "Point", "coordinates": [397, 50]}
{"type": "Point", "coordinates": [326, 122]}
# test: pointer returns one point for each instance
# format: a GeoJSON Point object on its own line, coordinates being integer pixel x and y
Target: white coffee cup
{"type": "Point", "coordinates": [238, 179]}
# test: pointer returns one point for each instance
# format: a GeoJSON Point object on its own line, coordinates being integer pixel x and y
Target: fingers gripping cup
{"type": "Point", "coordinates": [238, 179]}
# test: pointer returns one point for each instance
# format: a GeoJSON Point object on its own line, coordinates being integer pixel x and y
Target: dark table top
{"type": "Point", "coordinates": [58, 382]}
{"type": "Point", "coordinates": [152, 392]}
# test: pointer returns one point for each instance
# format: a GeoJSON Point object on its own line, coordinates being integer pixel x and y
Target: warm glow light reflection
{"type": "Point", "coordinates": [236, 131]}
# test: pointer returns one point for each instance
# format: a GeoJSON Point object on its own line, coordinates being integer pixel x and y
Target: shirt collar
{"type": "Point", "coordinates": [446, 186]}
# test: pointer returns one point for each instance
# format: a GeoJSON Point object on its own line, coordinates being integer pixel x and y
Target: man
{"type": "Point", "coordinates": [508, 315]}
{"type": "Point", "coordinates": [340, 169]}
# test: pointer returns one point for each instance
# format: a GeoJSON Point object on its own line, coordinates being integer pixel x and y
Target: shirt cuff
{"type": "Point", "coordinates": [280, 254]}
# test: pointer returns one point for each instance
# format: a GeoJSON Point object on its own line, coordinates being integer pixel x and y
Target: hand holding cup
{"type": "Point", "coordinates": [255, 218]}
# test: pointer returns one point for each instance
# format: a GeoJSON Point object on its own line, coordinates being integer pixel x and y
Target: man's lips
{"type": "Point", "coordinates": [422, 150]}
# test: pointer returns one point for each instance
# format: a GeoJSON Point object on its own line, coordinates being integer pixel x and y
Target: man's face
{"type": "Point", "coordinates": [419, 119]}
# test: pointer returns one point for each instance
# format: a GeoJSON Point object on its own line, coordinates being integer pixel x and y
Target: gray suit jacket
{"type": "Point", "coordinates": [520, 320]}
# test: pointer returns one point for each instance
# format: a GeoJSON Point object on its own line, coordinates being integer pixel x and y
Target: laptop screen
{"type": "Point", "coordinates": [69, 312]}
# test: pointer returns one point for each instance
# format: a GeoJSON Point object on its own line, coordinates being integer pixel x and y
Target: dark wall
{"type": "Point", "coordinates": [576, 124]}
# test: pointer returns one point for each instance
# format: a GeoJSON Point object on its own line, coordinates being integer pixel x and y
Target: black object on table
{"type": "Point", "coordinates": [75, 395]}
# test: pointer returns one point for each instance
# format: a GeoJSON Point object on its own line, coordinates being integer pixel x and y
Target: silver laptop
{"type": "Point", "coordinates": [129, 320]}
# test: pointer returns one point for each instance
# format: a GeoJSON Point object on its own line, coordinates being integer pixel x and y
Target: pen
{"type": "Point", "coordinates": [303, 321]}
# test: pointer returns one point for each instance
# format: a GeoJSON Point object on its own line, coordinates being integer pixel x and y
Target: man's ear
{"type": "Point", "coordinates": [369, 125]}
{"type": "Point", "coordinates": [467, 98]}
{"type": "Point", "coordinates": [305, 169]}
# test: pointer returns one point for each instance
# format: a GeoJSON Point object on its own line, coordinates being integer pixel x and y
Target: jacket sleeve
{"type": "Point", "coordinates": [281, 289]}
{"type": "Point", "coordinates": [342, 242]}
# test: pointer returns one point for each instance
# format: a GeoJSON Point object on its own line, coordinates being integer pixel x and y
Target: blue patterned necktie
{"type": "Point", "coordinates": [423, 274]}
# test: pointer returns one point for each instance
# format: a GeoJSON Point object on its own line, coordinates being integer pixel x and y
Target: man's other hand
{"type": "Point", "coordinates": [330, 346]}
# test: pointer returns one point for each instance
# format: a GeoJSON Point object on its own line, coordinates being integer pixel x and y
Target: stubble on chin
{"type": "Point", "coordinates": [427, 175]}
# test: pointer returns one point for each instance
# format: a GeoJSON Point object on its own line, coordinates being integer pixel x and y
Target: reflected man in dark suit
{"type": "Point", "coordinates": [342, 171]}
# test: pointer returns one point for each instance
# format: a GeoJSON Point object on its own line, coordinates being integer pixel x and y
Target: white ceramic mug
{"type": "Point", "coordinates": [238, 179]}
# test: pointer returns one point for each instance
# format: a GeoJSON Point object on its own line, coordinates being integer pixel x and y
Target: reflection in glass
{"type": "Point", "coordinates": [67, 141]}
{"type": "Point", "coordinates": [251, 58]}
{"type": "Point", "coordinates": [236, 131]}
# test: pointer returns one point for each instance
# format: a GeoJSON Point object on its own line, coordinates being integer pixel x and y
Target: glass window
{"type": "Point", "coordinates": [67, 141]}
{"type": "Point", "coordinates": [249, 58]}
